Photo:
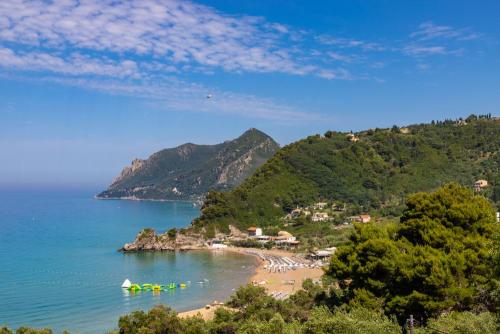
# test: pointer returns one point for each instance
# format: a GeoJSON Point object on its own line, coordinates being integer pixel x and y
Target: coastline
{"type": "Point", "coordinates": [137, 199]}
{"type": "Point", "coordinates": [275, 283]}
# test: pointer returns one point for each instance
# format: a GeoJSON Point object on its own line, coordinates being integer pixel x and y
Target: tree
{"type": "Point", "coordinates": [357, 321]}
{"type": "Point", "coordinates": [27, 330]}
{"type": "Point", "coordinates": [461, 322]}
{"type": "Point", "coordinates": [158, 320]}
{"type": "Point", "coordinates": [172, 233]}
{"type": "Point", "coordinates": [435, 260]}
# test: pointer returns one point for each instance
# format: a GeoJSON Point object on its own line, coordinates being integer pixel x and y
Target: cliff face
{"type": "Point", "coordinates": [148, 240]}
{"type": "Point", "coordinates": [190, 170]}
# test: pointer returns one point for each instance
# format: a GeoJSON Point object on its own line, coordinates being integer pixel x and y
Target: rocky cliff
{"type": "Point", "coordinates": [148, 240]}
{"type": "Point", "coordinates": [191, 170]}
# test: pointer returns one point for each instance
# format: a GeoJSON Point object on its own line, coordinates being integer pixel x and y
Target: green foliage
{"type": "Point", "coordinates": [461, 323]}
{"type": "Point", "coordinates": [247, 243]}
{"type": "Point", "coordinates": [160, 320]}
{"type": "Point", "coordinates": [375, 173]}
{"type": "Point", "coordinates": [435, 260]}
{"type": "Point", "coordinates": [308, 311]}
{"type": "Point", "coordinates": [193, 169]}
{"type": "Point", "coordinates": [359, 321]}
{"type": "Point", "coordinates": [27, 330]}
{"type": "Point", "coordinates": [172, 233]}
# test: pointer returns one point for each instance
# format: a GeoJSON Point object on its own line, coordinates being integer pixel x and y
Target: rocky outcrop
{"type": "Point", "coordinates": [148, 240]}
{"type": "Point", "coordinates": [189, 171]}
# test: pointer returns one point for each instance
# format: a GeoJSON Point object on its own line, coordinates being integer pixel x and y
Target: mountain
{"type": "Point", "coordinates": [189, 171]}
{"type": "Point", "coordinates": [370, 171]}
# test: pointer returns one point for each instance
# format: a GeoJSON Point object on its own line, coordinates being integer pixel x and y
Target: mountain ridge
{"type": "Point", "coordinates": [188, 171]}
{"type": "Point", "coordinates": [371, 171]}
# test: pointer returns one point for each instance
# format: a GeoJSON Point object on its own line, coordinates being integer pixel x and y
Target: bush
{"type": "Point", "coordinates": [461, 323]}
{"type": "Point", "coordinates": [358, 320]}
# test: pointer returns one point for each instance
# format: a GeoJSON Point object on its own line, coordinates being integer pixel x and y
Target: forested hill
{"type": "Point", "coordinates": [369, 170]}
{"type": "Point", "coordinates": [190, 170]}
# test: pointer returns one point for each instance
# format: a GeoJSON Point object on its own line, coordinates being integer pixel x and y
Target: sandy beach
{"type": "Point", "coordinates": [276, 283]}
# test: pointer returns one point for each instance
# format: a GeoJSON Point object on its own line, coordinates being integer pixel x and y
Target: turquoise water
{"type": "Point", "coordinates": [59, 267]}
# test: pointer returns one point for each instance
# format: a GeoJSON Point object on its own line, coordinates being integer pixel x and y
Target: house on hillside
{"type": "Point", "coordinates": [264, 239]}
{"type": "Point", "coordinates": [352, 137]}
{"type": "Point", "coordinates": [319, 205]}
{"type": "Point", "coordinates": [404, 130]}
{"type": "Point", "coordinates": [480, 185]}
{"type": "Point", "coordinates": [319, 217]}
{"type": "Point", "coordinates": [361, 218]}
{"type": "Point", "coordinates": [286, 239]}
{"type": "Point", "coordinates": [296, 213]}
{"type": "Point", "coordinates": [323, 253]}
{"type": "Point", "coordinates": [254, 231]}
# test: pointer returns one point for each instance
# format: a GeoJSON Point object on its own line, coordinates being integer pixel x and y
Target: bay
{"type": "Point", "coordinates": [59, 265]}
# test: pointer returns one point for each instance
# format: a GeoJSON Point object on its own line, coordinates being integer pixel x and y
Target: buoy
{"type": "Point", "coordinates": [126, 284]}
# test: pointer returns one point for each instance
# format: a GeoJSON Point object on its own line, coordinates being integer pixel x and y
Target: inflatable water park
{"type": "Point", "coordinates": [135, 287]}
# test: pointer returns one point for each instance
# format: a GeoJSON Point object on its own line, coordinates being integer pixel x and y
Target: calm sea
{"type": "Point", "coordinates": [59, 267]}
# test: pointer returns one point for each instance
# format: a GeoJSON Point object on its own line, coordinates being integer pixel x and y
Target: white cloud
{"type": "Point", "coordinates": [342, 57]}
{"type": "Point", "coordinates": [171, 93]}
{"type": "Point", "coordinates": [417, 50]}
{"type": "Point", "coordinates": [169, 31]}
{"type": "Point", "coordinates": [134, 47]}
{"type": "Point", "coordinates": [428, 31]}
{"type": "Point", "coordinates": [340, 73]}
{"type": "Point", "coordinates": [346, 43]}
{"type": "Point", "coordinates": [75, 64]}
{"type": "Point", "coordinates": [424, 41]}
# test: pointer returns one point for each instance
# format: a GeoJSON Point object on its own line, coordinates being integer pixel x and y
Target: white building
{"type": "Point", "coordinates": [284, 236]}
{"type": "Point", "coordinates": [319, 217]}
{"type": "Point", "coordinates": [480, 184]}
{"type": "Point", "coordinates": [254, 231]}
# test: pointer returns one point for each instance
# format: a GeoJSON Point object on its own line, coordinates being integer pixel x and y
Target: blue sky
{"type": "Point", "coordinates": [86, 86]}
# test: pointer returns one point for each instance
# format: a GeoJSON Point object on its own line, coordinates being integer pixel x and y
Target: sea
{"type": "Point", "coordinates": [60, 268]}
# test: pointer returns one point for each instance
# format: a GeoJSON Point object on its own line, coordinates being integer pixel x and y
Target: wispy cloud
{"type": "Point", "coordinates": [432, 39]}
{"type": "Point", "coordinates": [174, 94]}
{"type": "Point", "coordinates": [418, 50]}
{"type": "Point", "coordinates": [91, 44]}
{"type": "Point", "coordinates": [178, 32]}
{"type": "Point", "coordinates": [349, 43]}
{"type": "Point", "coordinates": [429, 31]}
{"type": "Point", "coordinates": [75, 64]}
{"type": "Point", "coordinates": [135, 47]}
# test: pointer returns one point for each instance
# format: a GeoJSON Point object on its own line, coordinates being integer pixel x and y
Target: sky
{"type": "Point", "coordinates": [87, 86]}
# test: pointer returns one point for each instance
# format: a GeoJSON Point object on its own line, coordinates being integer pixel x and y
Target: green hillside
{"type": "Point", "coordinates": [190, 170]}
{"type": "Point", "coordinates": [374, 173]}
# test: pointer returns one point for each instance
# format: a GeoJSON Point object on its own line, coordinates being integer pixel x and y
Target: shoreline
{"type": "Point", "coordinates": [278, 284]}
{"type": "Point", "coordinates": [136, 199]}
